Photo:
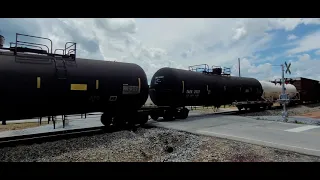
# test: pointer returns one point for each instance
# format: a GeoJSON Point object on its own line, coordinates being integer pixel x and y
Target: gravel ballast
{"type": "Point", "coordinates": [292, 111]}
{"type": "Point", "coordinates": [295, 114]}
{"type": "Point", "coordinates": [148, 145]}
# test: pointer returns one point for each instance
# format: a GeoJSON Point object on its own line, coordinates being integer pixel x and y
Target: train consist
{"type": "Point", "coordinates": [40, 83]}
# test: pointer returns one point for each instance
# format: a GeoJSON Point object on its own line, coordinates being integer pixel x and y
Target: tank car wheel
{"type": "Point", "coordinates": [119, 121]}
{"type": "Point", "coordinates": [143, 119]}
{"type": "Point", "coordinates": [106, 119]}
{"type": "Point", "coordinates": [154, 117]}
{"type": "Point", "coordinates": [184, 113]}
{"type": "Point", "coordinates": [255, 108]}
{"type": "Point", "coordinates": [168, 115]}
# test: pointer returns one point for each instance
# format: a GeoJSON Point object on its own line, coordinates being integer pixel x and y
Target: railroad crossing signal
{"type": "Point", "coordinates": [288, 67]}
{"type": "Point", "coordinates": [284, 97]}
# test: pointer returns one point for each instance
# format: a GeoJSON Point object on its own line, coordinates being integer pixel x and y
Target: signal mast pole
{"type": "Point", "coordinates": [284, 98]}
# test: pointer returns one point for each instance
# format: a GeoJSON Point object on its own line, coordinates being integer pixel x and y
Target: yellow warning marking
{"type": "Point", "coordinates": [182, 86]}
{"type": "Point", "coordinates": [79, 87]}
{"type": "Point", "coordinates": [38, 82]}
{"type": "Point", "coordinates": [139, 81]}
{"type": "Point", "coordinates": [97, 84]}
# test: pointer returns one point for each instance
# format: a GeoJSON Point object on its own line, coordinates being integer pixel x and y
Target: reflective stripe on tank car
{"type": "Point", "coordinates": [97, 84]}
{"type": "Point", "coordinates": [78, 87]}
{"type": "Point", "coordinates": [38, 82]}
{"type": "Point", "coordinates": [182, 86]}
{"type": "Point", "coordinates": [139, 84]}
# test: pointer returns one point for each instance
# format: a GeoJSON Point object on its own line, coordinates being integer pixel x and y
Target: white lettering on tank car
{"type": "Point", "coordinates": [130, 89]}
{"type": "Point", "coordinates": [94, 98]}
{"type": "Point", "coordinates": [158, 79]}
{"type": "Point", "coordinates": [113, 98]}
{"type": "Point", "coordinates": [192, 93]}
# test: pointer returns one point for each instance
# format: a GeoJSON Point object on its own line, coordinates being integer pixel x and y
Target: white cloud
{"type": "Point", "coordinates": [247, 69]}
{"type": "Point", "coordinates": [304, 57]}
{"type": "Point", "coordinates": [304, 67]}
{"type": "Point", "coordinates": [317, 52]}
{"type": "Point", "coordinates": [156, 43]}
{"type": "Point", "coordinates": [307, 43]}
{"type": "Point", "coordinates": [291, 37]}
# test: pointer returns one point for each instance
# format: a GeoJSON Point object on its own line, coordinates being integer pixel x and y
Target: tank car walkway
{"type": "Point", "coordinates": [294, 137]}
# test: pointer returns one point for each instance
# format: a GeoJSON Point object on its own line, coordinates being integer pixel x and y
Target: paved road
{"type": "Point", "coordinates": [294, 137]}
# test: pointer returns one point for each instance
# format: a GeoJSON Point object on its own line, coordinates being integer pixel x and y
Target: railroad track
{"type": "Point", "coordinates": [73, 133]}
{"type": "Point", "coordinates": [67, 134]}
{"type": "Point", "coordinates": [50, 136]}
{"type": "Point", "coordinates": [235, 112]}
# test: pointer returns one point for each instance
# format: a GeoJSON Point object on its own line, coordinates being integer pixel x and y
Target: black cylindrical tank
{"type": "Point", "coordinates": [177, 88]}
{"type": "Point", "coordinates": [40, 85]}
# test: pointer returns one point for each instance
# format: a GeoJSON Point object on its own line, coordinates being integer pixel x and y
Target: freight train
{"type": "Point", "coordinates": [42, 83]}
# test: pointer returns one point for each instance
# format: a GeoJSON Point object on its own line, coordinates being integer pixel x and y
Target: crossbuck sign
{"type": "Point", "coordinates": [287, 67]}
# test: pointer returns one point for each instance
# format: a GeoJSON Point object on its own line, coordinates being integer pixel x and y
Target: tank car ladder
{"type": "Point", "coordinates": [61, 70]}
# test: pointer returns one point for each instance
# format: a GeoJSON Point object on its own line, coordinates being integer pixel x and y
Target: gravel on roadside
{"type": "Point", "coordinates": [292, 111]}
{"type": "Point", "coordinates": [148, 145]}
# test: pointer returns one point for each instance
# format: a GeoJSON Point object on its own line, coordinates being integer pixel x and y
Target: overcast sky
{"type": "Point", "coordinates": [157, 43]}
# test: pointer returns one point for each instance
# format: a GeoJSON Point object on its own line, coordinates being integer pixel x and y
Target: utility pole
{"type": "Point", "coordinates": [239, 66]}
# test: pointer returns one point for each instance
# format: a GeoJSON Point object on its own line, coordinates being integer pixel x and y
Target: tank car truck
{"type": "Point", "coordinates": [37, 81]}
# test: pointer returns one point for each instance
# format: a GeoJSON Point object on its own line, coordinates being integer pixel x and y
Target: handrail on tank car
{"type": "Point", "coordinates": [215, 67]}
{"type": "Point", "coordinates": [60, 50]}
{"type": "Point", "coordinates": [72, 44]}
{"type": "Point", "coordinates": [25, 45]}
{"type": "Point", "coordinates": [22, 42]}
{"type": "Point", "coordinates": [70, 50]}
{"type": "Point", "coordinates": [31, 49]}
{"type": "Point", "coordinates": [226, 70]}
{"type": "Point", "coordinates": [206, 67]}
{"type": "Point", "coordinates": [17, 41]}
